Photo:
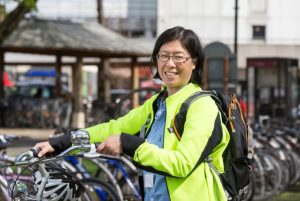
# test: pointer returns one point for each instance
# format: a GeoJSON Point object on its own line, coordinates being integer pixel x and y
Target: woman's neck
{"type": "Point", "coordinates": [173, 90]}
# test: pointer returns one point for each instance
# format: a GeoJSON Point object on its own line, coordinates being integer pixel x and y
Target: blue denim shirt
{"type": "Point", "coordinates": [159, 191]}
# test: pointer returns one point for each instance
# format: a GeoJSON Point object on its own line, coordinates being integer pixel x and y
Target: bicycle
{"type": "Point", "coordinates": [119, 172]}
{"type": "Point", "coordinates": [7, 173]}
{"type": "Point", "coordinates": [54, 183]}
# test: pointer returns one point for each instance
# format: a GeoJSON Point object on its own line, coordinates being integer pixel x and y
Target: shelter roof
{"type": "Point", "coordinates": [70, 38]}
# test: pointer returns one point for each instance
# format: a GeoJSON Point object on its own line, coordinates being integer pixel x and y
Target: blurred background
{"type": "Point", "coordinates": [75, 63]}
{"type": "Point", "coordinates": [93, 52]}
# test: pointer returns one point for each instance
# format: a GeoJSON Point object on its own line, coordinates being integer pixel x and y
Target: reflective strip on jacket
{"type": "Point", "coordinates": [177, 158]}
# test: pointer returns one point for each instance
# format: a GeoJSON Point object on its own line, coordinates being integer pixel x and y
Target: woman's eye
{"type": "Point", "coordinates": [178, 58]}
{"type": "Point", "coordinates": [164, 57]}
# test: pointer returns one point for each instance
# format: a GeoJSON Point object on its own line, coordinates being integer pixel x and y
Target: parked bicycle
{"type": "Point", "coordinates": [51, 182]}
{"type": "Point", "coordinates": [118, 172]}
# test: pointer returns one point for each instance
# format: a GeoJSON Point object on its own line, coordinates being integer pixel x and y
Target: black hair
{"type": "Point", "coordinates": [190, 41]}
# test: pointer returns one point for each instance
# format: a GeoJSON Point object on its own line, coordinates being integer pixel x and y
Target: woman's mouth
{"type": "Point", "coordinates": [171, 73]}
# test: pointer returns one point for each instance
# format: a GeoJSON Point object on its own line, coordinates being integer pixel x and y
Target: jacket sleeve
{"type": "Point", "coordinates": [131, 123]}
{"type": "Point", "coordinates": [60, 142]}
{"type": "Point", "coordinates": [180, 161]}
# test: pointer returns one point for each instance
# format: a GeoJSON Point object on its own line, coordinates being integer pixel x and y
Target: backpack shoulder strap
{"type": "Point", "coordinates": [180, 117]}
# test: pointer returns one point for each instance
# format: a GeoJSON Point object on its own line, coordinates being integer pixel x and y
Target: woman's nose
{"type": "Point", "coordinates": [171, 62]}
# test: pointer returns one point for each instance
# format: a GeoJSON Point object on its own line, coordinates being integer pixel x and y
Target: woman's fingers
{"type": "Point", "coordinates": [100, 147]}
{"type": "Point", "coordinates": [44, 148]}
{"type": "Point", "coordinates": [111, 146]}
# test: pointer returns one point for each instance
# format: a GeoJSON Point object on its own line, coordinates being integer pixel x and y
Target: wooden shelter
{"type": "Point", "coordinates": [79, 40]}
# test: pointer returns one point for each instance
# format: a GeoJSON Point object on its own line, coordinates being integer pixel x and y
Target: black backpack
{"type": "Point", "coordinates": [236, 157]}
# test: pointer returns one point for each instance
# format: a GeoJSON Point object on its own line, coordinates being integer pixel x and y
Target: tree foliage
{"type": "Point", "coordinates": [13, 18]}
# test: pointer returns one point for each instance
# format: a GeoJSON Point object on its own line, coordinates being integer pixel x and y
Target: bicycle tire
{"type": "Point", "coordinates": [251, 189]}
{"type": "Point", "coordinates": [125, 104]}
{"type": "Point", "coordinates": [96, 190]}
{"type": "Point", "coordinates": [125, 177]}
{"type": "Point", "coordinates": [4, 195]}
{"type": "Point", "coordinates": [129, 188]}
{"type": "Point", "coordinates": [272, 176]}
{"type": "Point", "coordinates": [259, 181]}
{"type": "Point", "coordinates": [103, 173]}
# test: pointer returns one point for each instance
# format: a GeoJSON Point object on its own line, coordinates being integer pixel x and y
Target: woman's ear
{"type": "Point", "coordinates": [153, 69]}
{"type": "Point", "coordinates": [194, 61]}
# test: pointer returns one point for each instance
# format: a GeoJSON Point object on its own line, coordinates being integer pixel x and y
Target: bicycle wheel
{"type": "Point", "coordinates": [124, 175]}
{"type": "Point", "coordinates": [251, 188]}
{"type": "Point", "coordinates": [96, 190]}
{"type": "Point", "coordinates": [98, 169]}
{"type": "Point", "coordinates": [130, 186]}
{"type": "Point", "coordinates": [272, 176]}
{"type": "Point", "coordinates": [4, 195]}
{"type": "Point", "coordinates": [124, 105]}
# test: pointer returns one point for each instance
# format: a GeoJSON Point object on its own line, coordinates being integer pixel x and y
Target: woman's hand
{"type": "Point", "coordinates": [111, 146]}
{"type": "Point", "coordinates": [44, 148]}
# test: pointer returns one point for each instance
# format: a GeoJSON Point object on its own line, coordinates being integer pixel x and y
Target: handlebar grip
{"type": "Point", "coordinates": [35, 152]}
{"type": "Point", "coordinates": [23, 156]}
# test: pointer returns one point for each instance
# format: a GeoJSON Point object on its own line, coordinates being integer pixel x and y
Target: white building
{"type": "Point", "coordinates": [276, 21]}
{"type": "Point", "coordinates": [266, 28]}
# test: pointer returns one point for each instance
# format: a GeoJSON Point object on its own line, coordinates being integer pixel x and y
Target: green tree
{"type": "Point", "coordinates": [9, 21]}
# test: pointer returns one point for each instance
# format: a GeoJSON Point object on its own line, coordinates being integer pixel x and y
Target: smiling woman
{"type": "Point", "coordinates": [173, 170]}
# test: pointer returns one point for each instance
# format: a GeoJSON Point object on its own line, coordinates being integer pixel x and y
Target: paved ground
{"type": "Point", "coordinates": [30, 133]}
{"type": "Point", "coordinates": [291, 194]}
{"type": "Point", "coordinates": [28, 138]}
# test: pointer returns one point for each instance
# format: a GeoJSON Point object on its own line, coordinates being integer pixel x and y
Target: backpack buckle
{"type": "Point", "coordinates": [208, 159]}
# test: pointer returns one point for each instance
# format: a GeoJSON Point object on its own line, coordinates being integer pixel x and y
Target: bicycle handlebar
{"type": "Point", "coordinates": [5, 140]}
{"type": "Point", "coordinates": [25, 158]}
{"type": "Point", "coordinates": [81, 142]}
{"type": "Point", "coordinates": [86, 151]}
{"type": "Point", "coordinates": [8, 137]}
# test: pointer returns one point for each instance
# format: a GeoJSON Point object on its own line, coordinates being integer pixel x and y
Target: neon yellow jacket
{"type": "Point", "coordinates": [177, 159]}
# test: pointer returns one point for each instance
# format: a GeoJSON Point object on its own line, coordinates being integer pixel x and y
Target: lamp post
{"type": "Point", "coordinates": [235, 27]}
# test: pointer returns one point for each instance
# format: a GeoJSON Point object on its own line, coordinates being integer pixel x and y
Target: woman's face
{"type": "Point", "coordinates": [176, 71]}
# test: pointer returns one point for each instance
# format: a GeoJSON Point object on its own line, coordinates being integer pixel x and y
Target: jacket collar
{"type": "Point", "coordinates": [184, 92]}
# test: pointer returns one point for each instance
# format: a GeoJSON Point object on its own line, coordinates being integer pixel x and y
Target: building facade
{"type": "Point", "coordinates": [266, 28]}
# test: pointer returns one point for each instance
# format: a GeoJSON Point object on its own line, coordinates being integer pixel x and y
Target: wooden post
{"type": "Point", "coordinates": [74, 67]}
{"type": "Point", "coordinates": [78, 114]}
{"type": "Point", "coordinates": [107, 87]}
{"type": "Point", "coordinates": [58, 77]}
{"type": "Point", "coordinates": [1, 74]}
{"type": "Point", "coordinates": [100, 80]}
{"type": "Point", "coordinates": [134, 81]}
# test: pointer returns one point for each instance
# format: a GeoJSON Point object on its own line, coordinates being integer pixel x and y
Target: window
{"type": "Point", "coordinates": [259, 32]}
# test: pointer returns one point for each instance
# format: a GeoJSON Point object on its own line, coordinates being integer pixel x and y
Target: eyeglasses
{"type": "Point", "coordinates": [176, 59]}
